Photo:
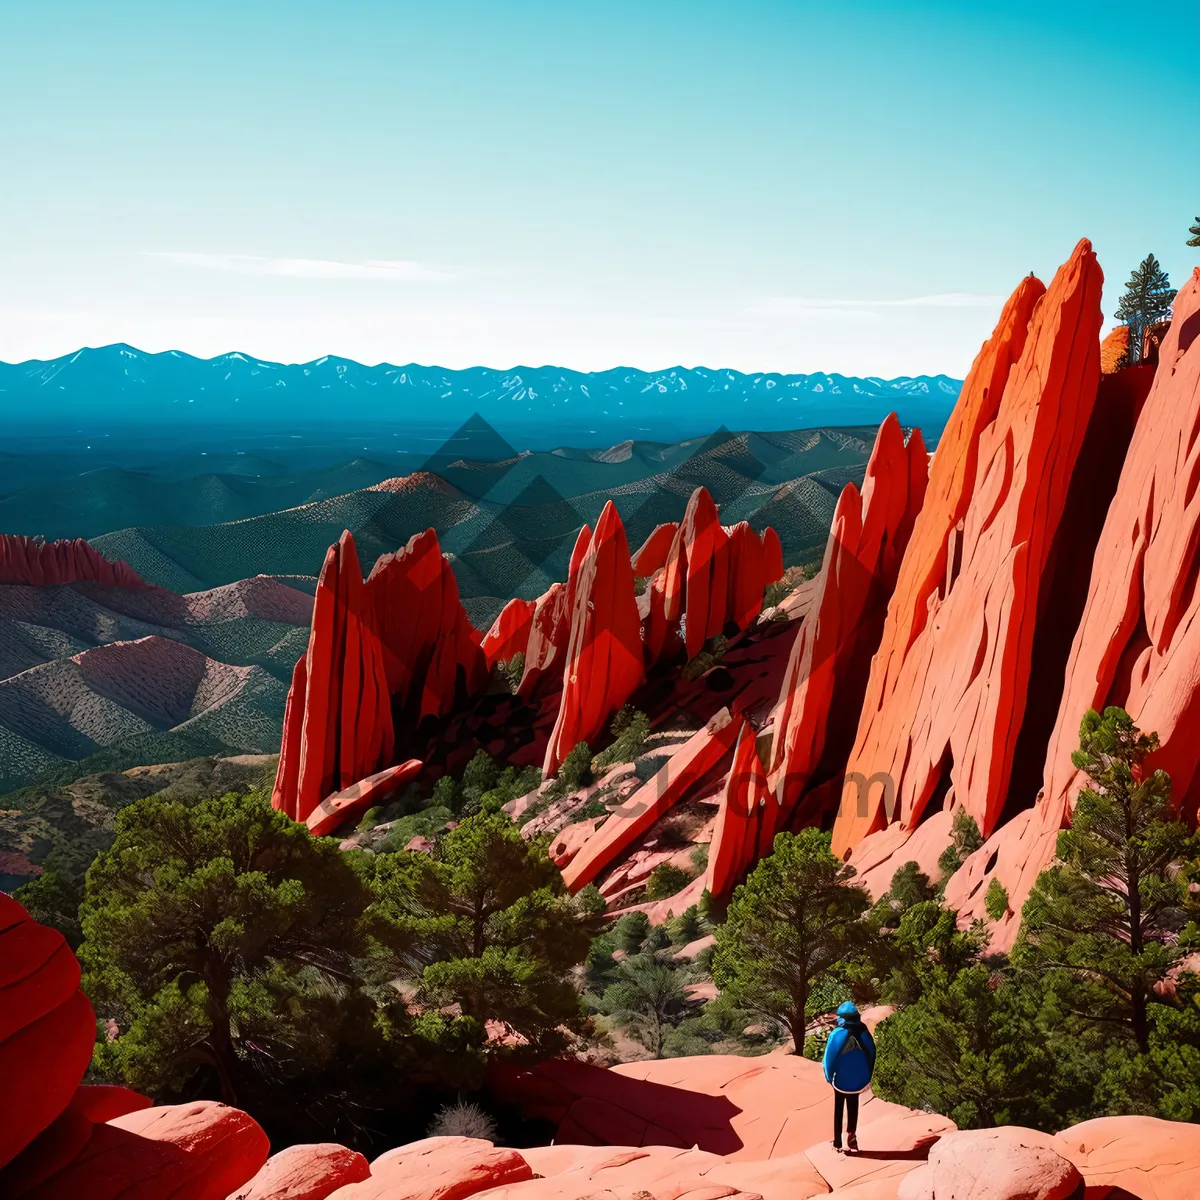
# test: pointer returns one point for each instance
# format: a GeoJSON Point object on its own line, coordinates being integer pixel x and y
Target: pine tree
{"type": "Point", "coordinates": [1104, 920]}
{"type": "Point", "coordinates": [1194, 240]}
{"type": "Point", "coordinates": [795, 918]}
{"type": "Point", "coordinates": [1147, 299]}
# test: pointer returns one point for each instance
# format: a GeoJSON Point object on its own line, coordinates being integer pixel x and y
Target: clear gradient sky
{"type": "Point", "coordinates": [761, 185]}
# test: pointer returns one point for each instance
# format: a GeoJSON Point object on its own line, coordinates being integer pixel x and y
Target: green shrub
{"type": "Point", "coordinates": [666, 880]}
{"type": "Point", "coordinates": [996, 900]}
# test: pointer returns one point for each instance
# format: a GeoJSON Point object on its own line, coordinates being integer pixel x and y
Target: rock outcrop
{"type": "Point", "coordinates": [652, 555]}
{"type": "Point", "coordinates": [398, 642]}
{"type": "Point", "coordinates": [747, 821]}
{"type": "Point", "coordinates": [604, 654]}
{"type": "Point", "coordinates": [550, 630]}
{"type": "Point", "coordinates": [338, 730]}
{"type": "Point", "coordinates": [947, 689]}
{"type": "Point", "coordinates": [1008, 1163]}
{"type": "Point", "coordinates": [1138, 643]}
{"type": "Point", "coordinates": [509, 633]}
{"type": "Point", "coordinates": [33, 562]}
{"type": "Point", "coordinates": [431, 652]}
{"type": "Point", "coordinates": [822, 695]}
{"type": "Point", "coordinates": [624, 825]}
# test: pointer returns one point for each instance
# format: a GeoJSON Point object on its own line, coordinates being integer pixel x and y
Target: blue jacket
{"type": "Point", "coordinates": [850, 1052]}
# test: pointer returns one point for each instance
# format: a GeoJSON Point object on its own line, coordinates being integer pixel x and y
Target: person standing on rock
{"type": "Point", "coordinates": [849, 1064]}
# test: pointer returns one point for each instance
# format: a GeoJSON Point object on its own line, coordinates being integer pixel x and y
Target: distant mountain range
{"type": "Point", "coordinates": [120, 386]}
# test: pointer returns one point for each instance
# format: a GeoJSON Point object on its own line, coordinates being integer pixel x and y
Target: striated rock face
{"type": "Point", "coordinates": [400, 640]}
{"type": "Point", "coordinates": [711, 582]}
{"type": "Point", "coordinates": [509, 633]}
{"type": "Point", "coordinates": [822, 694]}
{"type": "Point", "coordinates": [604, 653]}
{"type": "Point", "coordinates": [29, 561]}
{"type": "Point", "coordinates": [947, 689]}
{"type": "Point", "coordinates": [344, 721]}
{"type": "Point", "coordinates": [550, 630]}
{"type": "Point", "coordinates": [1113, 350]}
{"type": "Point", "coordinates": [1138, 642]}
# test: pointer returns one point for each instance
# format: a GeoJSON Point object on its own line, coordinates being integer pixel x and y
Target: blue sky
{"type": "Point", "coordinates": [766, 186]}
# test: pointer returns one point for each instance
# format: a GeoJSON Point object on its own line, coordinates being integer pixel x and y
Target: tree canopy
{"type": "Point", "coordinates": [1147, 300]}
{"type": "Point", "coordinates": [795, 917]}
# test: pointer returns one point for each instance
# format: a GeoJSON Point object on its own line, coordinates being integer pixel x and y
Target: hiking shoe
{"type": "Point", "coordinates": [852, 1144]}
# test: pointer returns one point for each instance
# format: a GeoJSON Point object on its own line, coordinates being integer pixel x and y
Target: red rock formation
{"type": "Point", "coordinates": [546, 650]}
{"type": "Point", "coordinates": [310, 1172]}
{"type": "Point", "coordinates": [346, 717]}
{"type": "Point", "coordinates": [604, 654]}
{"type": "Point", "coordinates": [1138, 642]}
{"type": "Point", "coordinates": [948, 686]}
{"type": "Point", "coordinates": [30, 561]}
{"type": "Point", "coordinates": [509, 633]}
{"type": "Point", "coordinates": [772, 556]}
{"type": "Point", "coordinates": [285, 793]}
{"type": "Point", "coordinates": [105, 1101]}
{"type": "Point", "coordinates": [822, 695]}
{"type": "Point", "coordinates": [686, 767]}
{"type": "Point", "coordinates": [47, 1028]}
{"type": "Point", "coordinates": [747, 821]}
{"type": "Point", "coordinates": [431, 651]}
{"type": "Point", "coordinates": [353, 801]}
{"type": "Point", "coordinates": [654, 550]}
{"type": "Point", "coordinates": [1113, 350]}
{"type": "Point", "coordinates": [712, 581]}
{"type": "Point", "coordinates": [747, 576]}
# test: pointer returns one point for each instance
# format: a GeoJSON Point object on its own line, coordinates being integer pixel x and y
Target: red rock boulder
{"type": "Point", "coordinates": [1009, 1163]}
{"type": "Point", "coordinates": [47, 1028]}
{"type": "Point", "coordinates": [311, 1172]}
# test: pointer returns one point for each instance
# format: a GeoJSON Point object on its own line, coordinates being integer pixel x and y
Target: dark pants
{"type": "Point", "coordinates": [850, 1101]}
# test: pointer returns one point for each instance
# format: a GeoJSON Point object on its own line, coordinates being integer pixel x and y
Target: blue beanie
{"type": "Point", "coordinates": [847, 1009]}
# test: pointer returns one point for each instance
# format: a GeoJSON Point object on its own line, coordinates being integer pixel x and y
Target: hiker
{"type": "Point", "coordinates": [849, 1064]}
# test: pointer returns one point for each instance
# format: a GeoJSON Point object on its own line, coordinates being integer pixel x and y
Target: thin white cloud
{"type": "Point", "coordinates": [308, 268]}
{"type": "Point", "coordinates": [803, 306]}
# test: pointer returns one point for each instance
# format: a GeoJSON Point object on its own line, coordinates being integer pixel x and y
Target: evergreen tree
{"type": "Point", "coordinates": [1147, 299]}
{"type": "Point", "coordinates": [1103, 921]}
{"type": "Point", "coordinates": [965, 839]}
{"type": "Point", "coordinates": [1194, 240]}
{"type": "Point", "coordinates": [228, 946]}
{"type": "Point", "coordinates": [493, 935]}
{"type": "Point", "coordinates": [648, 1000]}
{"type": "Point", "coordinates": [795, 917]}
{"type": "Point", "coordinates": [968, 1048]}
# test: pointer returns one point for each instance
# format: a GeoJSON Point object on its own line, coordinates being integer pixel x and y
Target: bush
{"type": "Point", "coordinates": [666, 880]}
{"type": "Point", "coordinates": [965, 839]}
{"type": "Point", "coordinates": [630, 729]}
{"type": "Point", "coordinates": [996, 900]}
{"type": "Point", "coordinates": [462, 1119]}
{"type": "Point", "coordinates": [575, 771]}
